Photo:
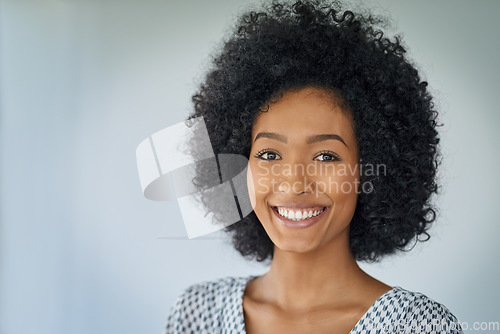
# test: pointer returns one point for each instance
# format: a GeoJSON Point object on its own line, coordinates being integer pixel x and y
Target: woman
{"type": "Point", "coordinates": [340, 134]}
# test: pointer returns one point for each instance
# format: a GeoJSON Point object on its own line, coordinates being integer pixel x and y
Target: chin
{"type": "Point", "coordinates": [310, 240]}
{"type": "Point", "coordinates": [296, 243]}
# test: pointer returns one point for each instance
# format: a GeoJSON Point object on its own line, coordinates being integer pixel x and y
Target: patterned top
{"type": "Point", "coordinates": [217, 307]}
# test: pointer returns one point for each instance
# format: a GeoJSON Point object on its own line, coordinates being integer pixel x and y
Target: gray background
{"type": "Point", "coordinates": [83, 82]}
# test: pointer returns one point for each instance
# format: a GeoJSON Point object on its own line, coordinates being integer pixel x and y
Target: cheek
{"type": "Point", "coordinates": [251, 186]}
{"type": "Point", "coordinates": [342, 186]}
{"type": "Point", "coordinates": [258, 182]}
{"type": "Point", "coordinates": [343, 191]}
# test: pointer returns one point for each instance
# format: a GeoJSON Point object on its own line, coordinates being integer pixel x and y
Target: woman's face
{"type": "Point", "coordinates": [303, 170]}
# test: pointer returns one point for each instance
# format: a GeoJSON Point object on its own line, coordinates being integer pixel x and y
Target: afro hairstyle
{"type": "Point", "coordinates": [285, 46]}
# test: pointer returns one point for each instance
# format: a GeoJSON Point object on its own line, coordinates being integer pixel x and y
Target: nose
{"type": "Point", "coordinates": [294, 180]}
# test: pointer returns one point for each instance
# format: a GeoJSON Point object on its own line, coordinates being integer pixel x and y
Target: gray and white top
{"type": "Point", "coordinates": [217, 307]}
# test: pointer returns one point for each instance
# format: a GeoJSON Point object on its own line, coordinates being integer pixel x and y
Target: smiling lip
{"type": "Point", "coordinates": [298, 223]}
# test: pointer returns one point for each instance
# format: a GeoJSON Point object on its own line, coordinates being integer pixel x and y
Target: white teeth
{"type": "Point", "coordinates": [298, 215]}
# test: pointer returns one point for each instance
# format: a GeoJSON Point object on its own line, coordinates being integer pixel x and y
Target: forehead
{"type": "Point", "coordinates": [306, 111]}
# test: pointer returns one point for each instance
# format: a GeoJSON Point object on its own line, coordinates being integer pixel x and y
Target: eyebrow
{"type": "Point", "coordinates": [310, 139]}
{"type": "Point", "coordinates": [271, 135]}
{"type": "Point", "coordinates": [317, 138]}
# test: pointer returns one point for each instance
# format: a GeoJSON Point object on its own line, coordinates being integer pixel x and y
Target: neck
{"type": "Point", "coordinates": [300, 279]}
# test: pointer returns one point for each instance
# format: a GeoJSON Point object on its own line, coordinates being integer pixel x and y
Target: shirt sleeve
{"type": "Point", "coordinates": [430, 317]}
{"type": "Point", "coordinates": [187, 313]}
{"type": "Point", "coordinates": [175, 322]}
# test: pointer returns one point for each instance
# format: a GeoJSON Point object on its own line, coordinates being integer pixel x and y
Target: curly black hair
{"type": "Point", "coordinates": [316, 43]}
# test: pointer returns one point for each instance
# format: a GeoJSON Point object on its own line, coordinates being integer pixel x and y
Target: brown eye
{"type": "Point", "coordinates": [268, 155]}
{"type": "Point", "coordinates": [327, 156]}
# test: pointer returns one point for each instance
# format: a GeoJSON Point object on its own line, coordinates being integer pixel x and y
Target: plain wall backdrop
{"type": "Point", "coordinates": [83, 82]}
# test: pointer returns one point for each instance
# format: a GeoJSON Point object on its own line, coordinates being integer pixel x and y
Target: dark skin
{"type": "Point", "coordinates": [314, 284]}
